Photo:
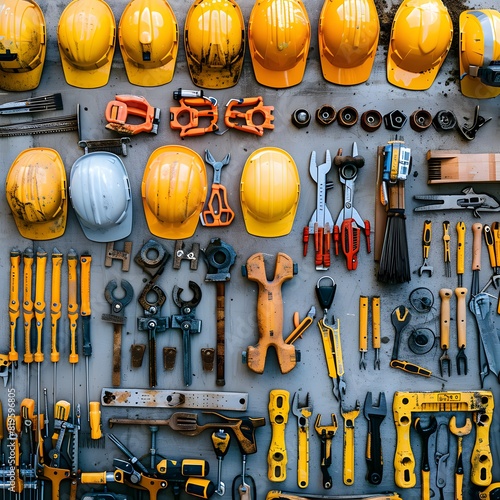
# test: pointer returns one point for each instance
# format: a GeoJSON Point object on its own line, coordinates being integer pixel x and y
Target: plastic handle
{"type": "Point", "coordinates": [376, 322]}
{"type": "Point", "coordinates": [14, 306]}
{"type": "Point", "coordinates": [303, 457]}
{"type": "Point", "coordinates": [476, 246]}
{"type": "Point", "coordinates": [363, 323]}
{"type": "Point", "coordinates": [41, 266]}
{"type": "Point", "coordinates": [72, 305]}
{"type": "Point", "coordinates": [95, 420]}
{"type": "Point", "coordinates": [348, 463]}
{"type": "Point", "coordinates": [460, 247]}
{"type": "Point", "coordinates": [446, 241]}
{"type": "Point", "coordinates": [28, 313]}
{"type": "Point", "coordinates": [55, 304]}
{"type": "Point", "coordinates": [427, 237]}
{"type": "Point", "coordinates": [490, 245]}
{"type": "Point", "coordinates": [85, 310]}
{"type": "Point", "coordinates": [326, 336]}
{"type": "Point", "coordinates": [445, 294]}
{"type": "Point", "coordinates": [277, 458]}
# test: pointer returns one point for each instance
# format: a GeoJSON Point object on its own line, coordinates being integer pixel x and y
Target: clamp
{"type": "Point", "coordinates": [246, 123]}
{"type": "Point", "coordinates": [187, 322]}
{"type": "Point", "coordinates": [123, 106]}
{"type": "Point", "coordinates": [349, 223]}
{"type": "Point", "coordinates": [195, 108]}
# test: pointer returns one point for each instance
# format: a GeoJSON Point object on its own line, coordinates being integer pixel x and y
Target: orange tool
{"type": "Point", "coordinates": [270, 313]}
{"type": "Point", "coordinates": [194, 108]}
{"type": "Point", "coordinates": [123, 106]}
{"type": "Point", "coordinates": [28, 312]}
{"type": "Point", "coordinates": [14, 306]}
{"type": "Point", "coordinates": [218, 211]}
{"type": "Point", "coordinates": [244, 119]}
{"type": "Point", "coordinates": [349, 223]}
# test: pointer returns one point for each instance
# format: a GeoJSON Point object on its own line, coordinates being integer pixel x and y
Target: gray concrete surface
{"type": "Point", "coordinates": [310, 375]}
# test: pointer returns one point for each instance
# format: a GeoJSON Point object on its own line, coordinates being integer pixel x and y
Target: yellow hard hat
{"type": "Point", "coordinates": [421, 37]}
{"type": "Point", "coordinates": [86, 35]}
{"type": "Point", "coordinates": [174, 188]}
{"type": "Point", "coordinates": [279, 35]}
{"type": "Point", "coordinates": [35, 188]}
{"type": "Point", "coordinates": [22, 45]}
{"type": "Point", "coordinates": [214, 39]}
{"type": "Point", "coordinates": [149, 41]}
{"type": "Point", "coordinates": [269, 192]}
{"type": "Point", "coordinates": [479, 53]}
{"type": "Point", "coordinates": [348, 32]}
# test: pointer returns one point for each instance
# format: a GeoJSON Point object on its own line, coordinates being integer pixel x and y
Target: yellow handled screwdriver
{"type": "Point", "coordinates": [73, 319]}
{"type": "Point", "coordinates": [28, 313]}
{"type": "Point", "coordinates": [14, 307]}
{"type": "Point", "coordinates": [85, 312]}
{"type": "Point", "coordinates": [55, 315]}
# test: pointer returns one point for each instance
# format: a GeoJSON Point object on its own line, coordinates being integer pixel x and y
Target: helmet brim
{"type": "Point", "coordinates": [25, 80]}
{"type": "Point", "coordinates": [279, 79]}
{"type": "Point", "coordinates": [116, 233]}
{"type": "Point", "coordinates": [86, 79]}
{"type": "Point", "coordinates": [346, 76]}
{"type": "Point", "coordinates": [41, 231]}
{"type": "Point", "coordinates": [408, 79]}
{"type": "Point", "coordinates": [148, 77]}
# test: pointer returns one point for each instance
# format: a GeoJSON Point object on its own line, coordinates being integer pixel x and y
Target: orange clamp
{"type": "Point", "coordinates": [246, 123]}
{"type": "Point", "coordinates": [189, 107]}
{"type": "Point", "coordinates": [124, 106]}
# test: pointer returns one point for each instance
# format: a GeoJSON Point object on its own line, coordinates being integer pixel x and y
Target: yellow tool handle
{"type": "Point", "coordinates": [93, 477]}
{"type": "Point", "coordinates": [363, 323]}
{"type": "Point", "coordinates": [426, 485]}
{"type": "Point", "coordinates": [277, 458]}
{"type": "Point", "coordinates": [348, 463]}
{"type": "Point", "coordinates": [460, 247]}
{"type": "Point", "coordinates": [72, 304]}
{"type": "Point", "coordinates": [481, 458]}
{"type": "Point", "coordinates": [85, 263]}
{"type": "Point", "coordinates": [459, 484]}
{"type": "Point", "coordinates": [299, 328]}
{"type": "Point", "coordinates": [477, 228]}
{"type": "Point", "coordinates": [95, 420]}
{"type": "Point", "coordinates": [28, 313]}
{"type": "Point", "coordinates": [55, 303]}
{"type": "Point", "coordinates": [1, 422]}
{"type": "Point", "coordinates": [376, 322]}
{"type": "Point", "coordinates": [337, 349]}
{"type": "Point", "coordinates": [490, 245]}
{"type": "Point", "coordinates": [28, 409]}
{"type": "Point", "coordinates": [14, 306]}
{"type": "Point", "coordinates": [446, 241]}
{"type": "Point", "coordinates": [61, 412]}
{"type": "Point", "coordinates": [326, 336]}
{"type": "Point", "coordinates": [41, 267]}
{"type": "Point", "coordinates": [303, 457]}
{"type": "Point", "coordinates": [288, 495]}
{"type": "Point", "coordinates": [445, 294]}
{"type": "Point", "coordinates": [461, 294]}
{"type": "Point", "coordinates": [426, 238]}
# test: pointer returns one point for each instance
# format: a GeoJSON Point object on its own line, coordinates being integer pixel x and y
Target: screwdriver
{"type": "Point", "coordinates": [55, 315]}
{"type": "Point", "coordinates": [28, 313]}
{"type": "Point", "coordinates": [85, 312]}
{"type": "Point", "coordinates": [14, 307]}
{"type": "Point", "coordinates": [73, 318]}
{"type": "Point", "coordinates": [220, 443]}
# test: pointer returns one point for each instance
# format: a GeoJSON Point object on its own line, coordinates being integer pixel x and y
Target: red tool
{"type": "Point", "coordinates": [321, 222]}
{"type": "Point", "coordinates": [123, 106]}
{"type": "Point", "coordinates": [349, 223]}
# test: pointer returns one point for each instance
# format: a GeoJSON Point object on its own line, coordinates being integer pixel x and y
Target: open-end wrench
{"type": "Point", "coordinates": [425, 433]}
{"type": "Point", "coordinates": [460, 432]}
{"type": "Point", "coordinates": [349, 417]}
{"type": "Point", "coordinates": [303, 413]}
{"type": "Point", "coordinates": [326, 434]}
{"type": "Point", "coordinates": [375, 415]}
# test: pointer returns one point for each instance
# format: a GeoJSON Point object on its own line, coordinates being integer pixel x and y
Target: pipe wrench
{"type": "Point", "coordinates": [321, 222]}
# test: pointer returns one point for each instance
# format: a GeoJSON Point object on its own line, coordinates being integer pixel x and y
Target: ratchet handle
{"type": "Point", "coordinates": [445, 294]}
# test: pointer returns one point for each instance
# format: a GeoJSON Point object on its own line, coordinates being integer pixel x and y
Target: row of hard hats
{"type": "Point", "coordinates": [278, 37]}
{"type": "Point", "coordinates": [174, 189]}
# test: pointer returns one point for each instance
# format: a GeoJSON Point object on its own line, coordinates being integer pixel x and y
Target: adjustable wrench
{"type": "Point", "coordinates": [303, 413]}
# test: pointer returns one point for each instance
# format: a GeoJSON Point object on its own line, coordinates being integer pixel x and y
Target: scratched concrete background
{"type": "Point", "coordinates": [310, 375]}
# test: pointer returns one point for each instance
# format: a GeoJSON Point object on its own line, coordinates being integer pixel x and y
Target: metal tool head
{"type": "Point", "coordinates": [217, 165]}
{"type": "Point", "coordinates": [301, 411]}
{"type": "Point", "coordinates": [220, 257]}
{"type": "Point", "coordinates": [462, 361]}
{"type": "Point", "coordinates": [460, 431]}
{"type": "Point", "coordinates": [425, 432]}
{"type": "Point", "coordinates": [370, 410]}
{"type": "Point", "coordinates": [349, 414]}
{"type": "Point", "coordinates": [318, 172]}
{"type": "Point", "coordinates": [118, 304]}
{"type": "Point", "coordinates": [445, 363]}
{"type": "Point", "coordinates": [326, 431]}
{"type": "Point", "coordinates": [191, 303]}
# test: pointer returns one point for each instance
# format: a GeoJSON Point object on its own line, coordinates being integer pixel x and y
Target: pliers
{"type": "Point", "coordinates": [478, 202]}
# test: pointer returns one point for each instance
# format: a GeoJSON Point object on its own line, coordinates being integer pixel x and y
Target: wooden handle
{"type": "Point", "coordinates": [445, 294]}
{"type": "Point", "coordinates": [117, 355]}
{"type": "Point", "coordinates": [476, 246]}
{"type": "Point", "coordinates": [461, 294]}
{"type": "Point", "coordinates": [363, 323]}
{"type": "Point", "coordinates": [221, 333]}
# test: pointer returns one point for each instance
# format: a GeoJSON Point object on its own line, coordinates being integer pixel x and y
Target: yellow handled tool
{"type": "Point", "coordinates": [460, 432]}
{"type": "Point", "coordinates": [376, 342]}
{"type": "Point", "coordinates": [277, 459]}
{"type": "Point", "coordinates": [14, 307]}
{"type": "Point", "coordinates": [460, 227]}
{"type": "Point", "coordinates": [446, 248]}
{"type": "Point", "coordinates": [348, 463]}
{"type": "Point", "coordinates": [28, 313]}
{"type": "Point", "coordinates": [303, 413]}
{"type": "Point", "coordinates": [55, 314]}
{"type": "Point", "coordinates": [363, 330]}
{"type": "Point", "coordinates": [85, 313]}
{"type": "Point", "coordinates": [41, 266]}
{"type": "Point", "coordinates": [95, 420]}
{"type": "Point", "coordinates": [73, 319]}
{"type": "Point", "coordinates": [461, 294]}
{"type": "Point", "coordinates": [444, 335]}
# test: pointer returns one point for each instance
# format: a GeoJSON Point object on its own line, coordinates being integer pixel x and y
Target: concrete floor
{"type": "Point", "coordinates": [310, 375]}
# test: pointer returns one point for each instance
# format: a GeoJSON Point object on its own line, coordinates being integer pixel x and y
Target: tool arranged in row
{"type": "Point", "coordinates": [363, 330]}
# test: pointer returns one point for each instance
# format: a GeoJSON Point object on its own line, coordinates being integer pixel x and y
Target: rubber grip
{"type": "Point", "coordinates": [461, 294]}
{"type": "Point", "coordinates": [477, 228]}
{"type": "Point", "coordinates": [55, 304]}
{"type": "Point", "coordinates": [363, 323]}
{"type": "Point", "coordinates": [303, 457]}
{"type": "Point", "coordinates": [14, 306]}
{"type": "Point", "coordinates": [72, 305]}
{"type": "Point", "coordinates": [28, 313]}
{"type": "Point", "coordinates": [490, 245]}
{"type": "Point", "coordinates": [348, 463]}
{"type": "Point", "coordinates": [93, 477]}
{"type": "Point", "coordinates": [445, 294]}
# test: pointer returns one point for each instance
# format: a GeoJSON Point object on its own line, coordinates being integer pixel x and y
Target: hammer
{"type": "Point", "coordinates": [220, 257]}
